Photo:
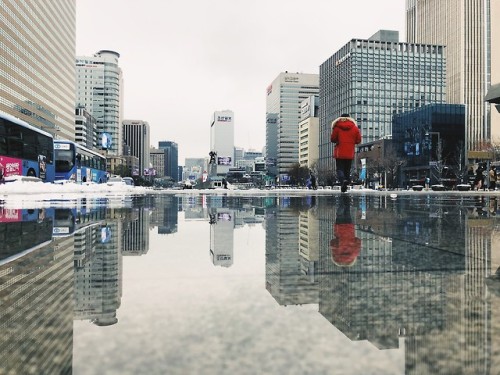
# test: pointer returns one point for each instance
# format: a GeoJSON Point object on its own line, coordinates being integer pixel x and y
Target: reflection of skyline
{"type": "Point", "coordinates": [36, 299]}
{"type": "Point", "coordinates": [291, 252]}
{"type": "Point", "coordinates": [419, 279]}
{"type": "Point", "coordinates": [417, 286]}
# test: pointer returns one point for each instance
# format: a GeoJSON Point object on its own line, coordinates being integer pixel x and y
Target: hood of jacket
{"type": "Point", "coordinates": [344, 123]}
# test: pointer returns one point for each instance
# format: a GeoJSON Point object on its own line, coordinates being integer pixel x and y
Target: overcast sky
{"type": "Point", "coordinates": [183, 60]}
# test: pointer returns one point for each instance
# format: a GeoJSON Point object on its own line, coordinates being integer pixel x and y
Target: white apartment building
{"type": "Point", "coordinates": [99, 90]}
{"type": "Point", "coordinates": [222, 140]}
{"type": "Point", "coordinates": [283, 105]}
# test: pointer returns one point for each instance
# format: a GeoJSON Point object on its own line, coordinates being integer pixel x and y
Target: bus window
{"type": "Point", "coordinates": [30, 145]}
{"type": "Point", "coordinates": [15, 147]}
{"type": "Point", "coordinates": [64, 161]}
{"type": "Point", "coordinates": [3, 145]}
{"type": "Point", "coordinates": [45, 148]}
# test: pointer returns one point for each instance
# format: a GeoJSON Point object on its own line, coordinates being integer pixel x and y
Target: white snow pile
{"type": "Point", "coordinates": [30, 188]}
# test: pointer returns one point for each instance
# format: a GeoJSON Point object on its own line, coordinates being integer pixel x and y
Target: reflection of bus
{"type": "Point", "coordinates": [23, 231]}
{"type": "Point", "coordinates": [25, 150]}
{"type": "Point", "coordinates": [67, 221]}
{"type": "Point", "coordinates": [77, 163]}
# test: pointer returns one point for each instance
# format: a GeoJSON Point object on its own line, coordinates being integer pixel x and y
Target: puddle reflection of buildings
{"type": "Point", "coordinates": [291, 251]}
{"type": "Point", "coordinates": [418, 282]}
{"type": "Point", "coordinates": [36, 295]}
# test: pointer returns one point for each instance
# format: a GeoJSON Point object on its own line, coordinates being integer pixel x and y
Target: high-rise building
{"type": "Point", "coordinates": [171, 150]}
{"type": "Point", "coordinates": [222, 140]}
{"type": "Point", "coordinates": [99, 90]}
{"type": "Point", "coordinates": [136, 136]}
{"type": "Point", "coordinates": [495, 73]}
{"type": "Point", "coordinates": [372, 79]}
{"type": "Point", "coordinates": [37, 83]}
{"type": "Point", "coordinates": [157, 160]}
{"type": "Point", "coordinates": [309, 133]}
{"type": "Point", "coordinates": [85, 128]}
{"type": "Point", "coordinates": [464, 27]}
{"type": "Point", "coordinates": [284, 97]}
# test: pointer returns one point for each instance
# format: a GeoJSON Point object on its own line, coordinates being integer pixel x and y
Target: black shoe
{"type": "Point", "coordinates": [343, 189]}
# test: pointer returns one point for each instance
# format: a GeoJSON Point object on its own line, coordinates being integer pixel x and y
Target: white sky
{"type": "Point", "coordinates": [183, 60]}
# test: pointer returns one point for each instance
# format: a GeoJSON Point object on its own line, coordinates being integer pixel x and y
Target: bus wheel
{"type": "Point", "coordinates": [31, 173]}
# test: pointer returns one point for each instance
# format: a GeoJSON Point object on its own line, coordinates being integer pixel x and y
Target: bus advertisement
{"type": "Point", "coordinates": [25, 150]}
{"type": "Point", "coordinates": [77, 163]}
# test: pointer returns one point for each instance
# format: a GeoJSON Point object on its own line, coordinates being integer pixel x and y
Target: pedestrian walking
{"type": "Point", "coordinates": [492, 174]}
{"type": "Point", "coordinates": [345, 135]}
{"type": "Point", "coordinates": [479, 180]}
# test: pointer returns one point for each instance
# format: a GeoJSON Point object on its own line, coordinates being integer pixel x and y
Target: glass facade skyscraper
{"type": "Point", "coordinates": [431, 141]}
{"type": "Point", "coordinates": [373, 79]}
{"type": "Point", "coordinates": [171, 154]}
{"type": "Point", "coordinates": [37, 56]}
{"type": "Point", "coordinates": [464, 26]}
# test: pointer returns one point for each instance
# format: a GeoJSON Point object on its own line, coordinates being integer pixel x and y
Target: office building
{"type": "Point", "coordinates": [373, 79]}
{"type": "Point", "coordinates": [495, 73]}
{"type": "Point", "coordinates": [284, 97]}
{"type": "Point", "coordinates": [222, 140]}
{"type": "Point", "coordinates": [464, 27]}
{"type": "Point", "coordinates": [37, 53]}
{"type": "Point", "coordinates": [99, 90]}
{"type": "Point", "coordinates": [157, 160]}
{"type": "Point", "coordinates": [309, 133]}
{"type": "Point", "coordinates": [136, 136]}
{"type": "Point", "coordinates": [431, 141]}
{"type": "Point", "coordinates": [171, 152]}
{"type": "Point", "coordinates": [85, 128]}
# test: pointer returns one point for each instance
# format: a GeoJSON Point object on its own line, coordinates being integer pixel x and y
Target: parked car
{"type": "Point", "coordinates": [116, 181]}
{"type": "Point", "coordinates": [129, 181]}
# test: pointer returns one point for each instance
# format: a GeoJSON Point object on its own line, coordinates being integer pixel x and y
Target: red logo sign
{"type": "Point", "coordinates": [10, 166]}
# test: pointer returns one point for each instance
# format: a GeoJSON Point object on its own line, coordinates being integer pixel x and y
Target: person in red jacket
{"type": "Point", "coordinates": [346, 135]}
{"type": "Point", "coordinates": [345, 246]}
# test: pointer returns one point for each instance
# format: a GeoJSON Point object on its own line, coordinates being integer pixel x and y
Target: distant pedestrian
{"type": "Point", "coordinates": [313, 182]}
{"type": "Point", "coordinates": [224, 183]}
{"type": "Point", "coordinates": [492, 174]}
{"type": "Point", "coordinates": [479, 180]}
{"type": "Point", "coordinates": [346, 135]}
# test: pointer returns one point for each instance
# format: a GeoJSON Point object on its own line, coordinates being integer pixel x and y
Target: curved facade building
{"type": "Point", "coordinates": [37, 55]}
{"type": "Point", "coordinates": [99, 87]}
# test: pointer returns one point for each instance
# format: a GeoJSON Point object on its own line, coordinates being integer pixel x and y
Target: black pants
{"type": "Point", "coordinates": [344, 170]}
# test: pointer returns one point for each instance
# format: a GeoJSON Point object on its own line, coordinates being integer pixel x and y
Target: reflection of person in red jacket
{"type": "Point", "coordinates": [345, 247]}
{"type": "Point", "coordinates": [346, 135]}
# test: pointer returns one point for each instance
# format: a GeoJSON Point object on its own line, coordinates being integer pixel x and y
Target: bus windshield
{"type": "Point", "coordinates": [64, 160]}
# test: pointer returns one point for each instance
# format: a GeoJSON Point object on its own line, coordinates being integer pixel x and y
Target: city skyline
{"type": "Point", "coordinates": [183, 63]}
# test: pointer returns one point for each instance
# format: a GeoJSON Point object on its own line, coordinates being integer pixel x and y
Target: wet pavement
{"type": "Point", "coordinates": [219, 284]}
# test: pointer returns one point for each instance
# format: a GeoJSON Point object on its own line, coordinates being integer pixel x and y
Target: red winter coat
{"type": "Point", "coordinates": [345, 135]}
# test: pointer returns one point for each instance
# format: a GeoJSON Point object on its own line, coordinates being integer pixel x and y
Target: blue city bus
{"type": "Point", "coordinates": [25, 150]}
{"type": "Point", "coordinates": [77, 163]}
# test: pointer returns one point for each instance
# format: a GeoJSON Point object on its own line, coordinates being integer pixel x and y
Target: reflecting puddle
{"type": "Point", "coordinates": [216, 284]}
